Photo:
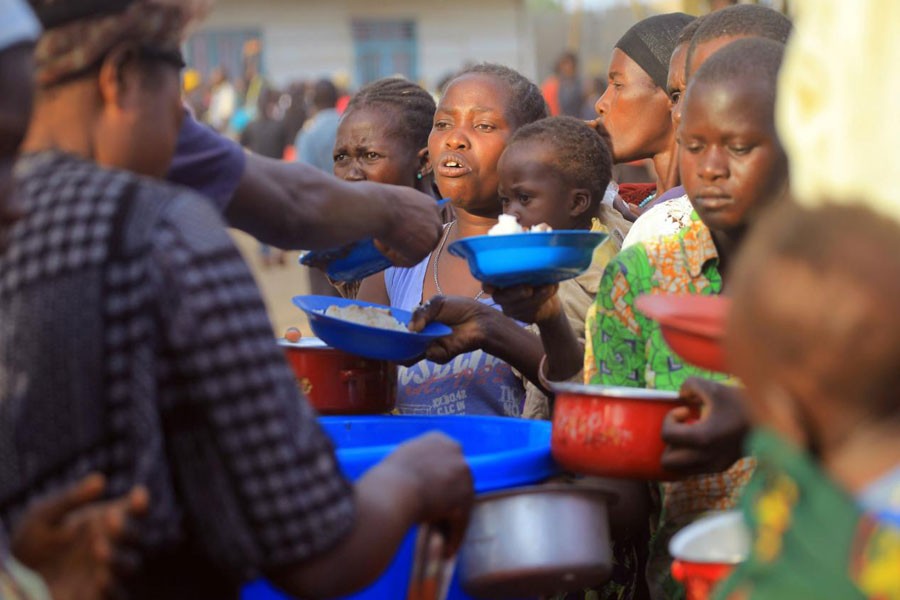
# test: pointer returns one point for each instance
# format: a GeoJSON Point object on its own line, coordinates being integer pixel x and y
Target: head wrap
{"type": "Point", "coordinates": [79, 33]}
{"type": "Point", "coordinates": [650, 43]}
{"type": "Point", "coordinates": [17, 24]}
{"type": "Point", "coordinates": [842, 139]}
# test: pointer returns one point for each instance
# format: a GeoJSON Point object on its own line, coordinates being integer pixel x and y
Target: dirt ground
{"type": "Point", "coordinates": [279, 283]}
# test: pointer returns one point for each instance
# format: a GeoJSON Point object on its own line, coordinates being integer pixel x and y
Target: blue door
{"type": "Point", "coordinates": [385, 48]}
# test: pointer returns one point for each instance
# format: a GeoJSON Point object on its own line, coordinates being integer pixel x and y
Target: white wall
{"type": "Point", "coordinates": [307, 39]}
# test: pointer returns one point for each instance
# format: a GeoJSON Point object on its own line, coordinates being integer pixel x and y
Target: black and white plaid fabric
{"type": "Point", "coordinates": [133, 341]}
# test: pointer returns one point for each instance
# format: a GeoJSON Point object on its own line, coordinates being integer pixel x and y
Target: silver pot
{"type": "Point", "coordinates": [537, 541]}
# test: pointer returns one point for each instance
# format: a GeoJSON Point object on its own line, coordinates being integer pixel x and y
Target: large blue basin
{"type": "Point", "coordinates": [502, 453]}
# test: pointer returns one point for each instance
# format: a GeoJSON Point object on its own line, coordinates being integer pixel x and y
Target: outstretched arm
{"type": "Point", "coordinates": [294, 205]}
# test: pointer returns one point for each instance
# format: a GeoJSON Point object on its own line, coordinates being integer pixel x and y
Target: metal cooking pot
{"type": "Point", "coordinates": [338, 383]}
{"type": "Point", "coordinates": [535, 541]}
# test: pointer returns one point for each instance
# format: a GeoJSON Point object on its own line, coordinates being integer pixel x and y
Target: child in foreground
{"type": "Point", "coordinates": [815, 337]}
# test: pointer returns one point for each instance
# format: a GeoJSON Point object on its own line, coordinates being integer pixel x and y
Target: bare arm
{"type": "Point", "coordinates": [477, 326]}
{"type": "Point", "coordinates": [293, 205]}
{"type": "Point", "coordinates": [425, 480]}
{"type": "Point", "coordinates": [542, 306]}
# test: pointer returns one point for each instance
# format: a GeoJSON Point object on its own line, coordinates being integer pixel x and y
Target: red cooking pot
{"type": "Point", "coordinates": [611, 431]}
{"type": "Point", "coordinates": [692, 325]}
{"type": "Point", "coordinates": [707, 551]}
{"type": "Point", "coordinates": [338, 383]}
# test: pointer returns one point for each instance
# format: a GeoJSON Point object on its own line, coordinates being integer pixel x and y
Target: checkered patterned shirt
{"type": "Point", "coordinates": [133, 341]}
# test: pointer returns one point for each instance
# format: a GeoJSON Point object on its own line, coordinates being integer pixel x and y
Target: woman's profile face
{"type": "Point", "coordinates": [634, 110]}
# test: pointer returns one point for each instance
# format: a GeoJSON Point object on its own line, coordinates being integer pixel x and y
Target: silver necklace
{"type": "Point", "coordinates": [437, 258]}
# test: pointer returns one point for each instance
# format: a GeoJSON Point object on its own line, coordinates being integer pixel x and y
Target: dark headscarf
{"type": "Point", "coordinates": [650, 43]}
{"type": "Point", "coordinates": [79, 33]}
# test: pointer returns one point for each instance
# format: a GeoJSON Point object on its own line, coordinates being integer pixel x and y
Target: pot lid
{"type": "Point", "coordinates": [721, 538]}
{"type": "Point", "coordinates": [307, 342]}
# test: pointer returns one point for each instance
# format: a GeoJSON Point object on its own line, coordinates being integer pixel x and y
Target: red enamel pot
{"type": "Point", "coordinates": [692, 325]}
{"type": "Point", "coordinates": [707, 551]}
{"type": "Point", "coordinates": [611, 431]}
{"type": "Point", "coordinates": [338, 383]}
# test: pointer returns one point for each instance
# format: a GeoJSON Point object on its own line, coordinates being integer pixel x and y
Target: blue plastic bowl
{"type": "Point", "coordinates": [362, 340]}
{"type": "Point", "coordinates": [528, 258]}
{"type": "Point", "coordinates": [502, 453]}
{"type": "Point", "coordinates": [352, 263]}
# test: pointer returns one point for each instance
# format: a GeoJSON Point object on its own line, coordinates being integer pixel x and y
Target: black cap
{"type": "Point", "coordinates": [650, 43]}
{"type": "Point", "coordinates": [55, 13]}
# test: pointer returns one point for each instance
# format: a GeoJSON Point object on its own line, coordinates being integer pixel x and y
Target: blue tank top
{"type": "Point", "coordinates": [475, 383]}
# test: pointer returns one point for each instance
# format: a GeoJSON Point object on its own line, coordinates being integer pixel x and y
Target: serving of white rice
{"type": "Point", "coordinates": [370, 316]}
{"type": "Point", "coordinates": [509, 225]}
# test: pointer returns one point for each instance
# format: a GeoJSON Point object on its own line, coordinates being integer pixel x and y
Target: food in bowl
{"type": "Point", "coordinates": [509, 225]}
{"type": "Point", "coordinates": [371, 316]}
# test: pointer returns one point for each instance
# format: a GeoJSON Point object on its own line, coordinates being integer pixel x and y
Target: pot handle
{"type": "Point", "coordinates": [352, 378]}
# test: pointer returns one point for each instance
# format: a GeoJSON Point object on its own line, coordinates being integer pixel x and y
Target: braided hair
{"type": "Point", "coordinates": [413, 107]}
{"type": "Point", "coordinates": [526, 103]}
{"type": "Point", "coordinates": [582, 154]}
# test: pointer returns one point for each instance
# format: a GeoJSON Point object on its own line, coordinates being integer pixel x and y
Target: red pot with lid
{"type": "Point", "coordinates": [338, 383]}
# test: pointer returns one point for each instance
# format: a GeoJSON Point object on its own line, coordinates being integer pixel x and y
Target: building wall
{"type": "Point", "coordinates": [305, 39]}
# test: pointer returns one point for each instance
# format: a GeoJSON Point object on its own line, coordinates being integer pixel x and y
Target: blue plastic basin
{"type": "Point", "coordinates": [502, 453]}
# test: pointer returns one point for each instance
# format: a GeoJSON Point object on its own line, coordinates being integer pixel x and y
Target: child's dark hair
{"type": "Point", "coordinates": [751, 58]}
{"type": "Point", "coordinates": [413, 105]}
{"type": "Point", "coordinates": [526, 103]}
{"type": "Point", "coordinates": [687, 34]}
{"type": "Point", "coordinates": [746, 20]}
{"type": "Point", "coordinates": [582, 154]}
{"type": "Point", "coordinates": [846, 334]}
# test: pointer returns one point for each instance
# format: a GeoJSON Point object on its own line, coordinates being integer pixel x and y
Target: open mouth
{"type": "Point", "coordinates": [452, 165]}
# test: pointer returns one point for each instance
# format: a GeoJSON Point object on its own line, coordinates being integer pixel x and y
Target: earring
{"type": "Point", "coordinates": [419, 175]}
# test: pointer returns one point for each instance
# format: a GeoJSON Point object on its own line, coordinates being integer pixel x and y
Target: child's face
{"type": "Point", "coordinates": [730, 158]}
{"type": "Point", "coordinates": [470, 130]}
{"type": "Point", "coordinates": [367, 148]}
{"type": "Point", "coordinates": [530, 188]}
{"type": "Point", "coordinates": [634, 110]}
{"type": "Point", "coordinates": [15, 112]}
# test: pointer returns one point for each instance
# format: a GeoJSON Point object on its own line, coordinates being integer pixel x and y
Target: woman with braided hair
{"type": "Point", "coordinates": [383, 137]}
